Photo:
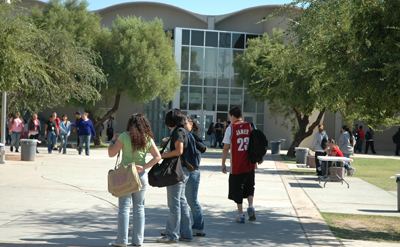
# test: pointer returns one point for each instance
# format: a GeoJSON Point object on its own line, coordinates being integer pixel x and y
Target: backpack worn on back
{"type": "Point", "coordinates": [258, 145]}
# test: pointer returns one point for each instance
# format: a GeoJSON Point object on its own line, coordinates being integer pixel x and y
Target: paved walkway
{"type": "Point", "coordinates": [62, 200]}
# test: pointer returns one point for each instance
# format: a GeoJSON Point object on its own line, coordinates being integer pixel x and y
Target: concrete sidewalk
{"type": "Point", "coordinates": [62, 200]}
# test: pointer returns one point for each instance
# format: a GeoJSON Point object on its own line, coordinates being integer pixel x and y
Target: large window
{"type": "Point", "coordinates": [209, 79]}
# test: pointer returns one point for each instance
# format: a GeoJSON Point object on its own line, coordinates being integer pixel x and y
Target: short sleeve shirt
{"type": "Point", "coordinates": [128, 155]}
{"type": "Point", "coordinates": [179, 134]}
{"type": "Point", "coordinates": [227, 136]}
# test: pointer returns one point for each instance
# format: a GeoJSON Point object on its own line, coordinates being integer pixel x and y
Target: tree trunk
{"type": "Point", "coordinates": [98, 121]}
{"type": "Point", "coordinates": [302, 132]}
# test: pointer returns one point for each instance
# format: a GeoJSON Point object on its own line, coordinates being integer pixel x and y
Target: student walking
{"type": "Point", "coordinates": [85, 132]}
{"type": "Point", "coordinates": [134, 143]}
{"type": "Point", "coordinates": [16, 129]}
{"type": "Point", "coordinates": [51, 132]}
{"type": "Point", "coordinates": [34, 128]}
{"type": "Point", "coordinates": [241, 177]}
{"type": "Point", "coordinates": [369, 140]}
{"type": "Point", "coordinates": [346, 144]}
{"type": "Point", "coordinates": [65, 132]}
{"type": "Point", "coordinates": [396, 140]}
{"type": "Point", "coordinates": [178, 226]}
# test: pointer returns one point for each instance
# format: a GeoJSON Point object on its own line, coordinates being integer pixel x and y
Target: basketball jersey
{"type": "Point", "coordinates": [240, 137]}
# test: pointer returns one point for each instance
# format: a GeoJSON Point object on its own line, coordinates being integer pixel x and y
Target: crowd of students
{"type": "Point", "coordinates": [138, 140]}
{"type": "Point", "coordinates": [55, 133]}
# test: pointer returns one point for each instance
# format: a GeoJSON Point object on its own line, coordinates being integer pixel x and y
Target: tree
{"type": "Point", "coordinates": [43, 68]}
{"type": "Point", "coordinates": [139, 62]}
{"type": "Point", "coordinates": [358, 41]}
{"type": "Point", "coordinates": [280, 74]}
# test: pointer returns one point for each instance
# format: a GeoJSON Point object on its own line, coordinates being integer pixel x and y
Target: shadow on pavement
{"type": "Point", "coordinates": [98, 227]}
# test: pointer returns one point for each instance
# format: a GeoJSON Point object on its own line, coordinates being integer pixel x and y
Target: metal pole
{"type": "Point", "coordinates": [3, 117]}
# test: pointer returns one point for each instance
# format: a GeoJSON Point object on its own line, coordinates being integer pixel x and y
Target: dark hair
{"type": "Point", "coordinates": [175, 118]}
{"type": "Point", "coordinates": [331, 140]}
{"type": "Point", "coordinates": [195, 124]}
{"type": "Point", "coordinates": [236, 112]}
{"type": "Point", "coordinates": [139, 130]}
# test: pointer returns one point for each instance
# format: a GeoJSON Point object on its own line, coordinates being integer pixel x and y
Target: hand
{"type": "Point", "coordinates": [223, 168]}
{"type": "Point", "coordinates": [115, 137]}
{"type": "Point", "coordinates": [139, 168]}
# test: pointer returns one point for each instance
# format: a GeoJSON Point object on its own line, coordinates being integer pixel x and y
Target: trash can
{"type": "Point", "coordinates": [301, 155]}
{"type": "Point", "coordinates": [398, 191]}
{"type": "Point", "coordinates": [2, 153]}
{"type": "Point", "coordinates": [28, 149]}
{"type": "Point", "coordinates": [275, 147]}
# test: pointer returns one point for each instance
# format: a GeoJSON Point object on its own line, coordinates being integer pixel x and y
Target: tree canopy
{"type": "Point", "coordinates": [41, 68]}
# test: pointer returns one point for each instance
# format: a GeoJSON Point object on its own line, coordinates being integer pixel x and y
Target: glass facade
{"type": "Point", "coordinates": [209, 82]}
{"type": "Point", "coordinates": [210, 85]}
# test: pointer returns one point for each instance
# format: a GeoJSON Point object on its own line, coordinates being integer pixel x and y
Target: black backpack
{"type": "Point", "coordinates": [258, 145]}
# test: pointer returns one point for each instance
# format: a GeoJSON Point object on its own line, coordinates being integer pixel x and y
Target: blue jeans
{"type": "Point", "coordinates": [84, 139]}
{"type": "Point", "coordinates": [15, 136]}
{"type": "Point", "coordinates": [213, 140]}
{"type": "Point", "coordinates": [346, 165]}
{"type": "Point", "coordinates": [124, 204]}
{"type": "Point", "coordinates": [192, 189]}
{"type": "Point", "coordinates": [51, 141]}
{"type": "Point", "coordinates": [64, 141]}
{"type": "Point", "coordinates": [178, 224]}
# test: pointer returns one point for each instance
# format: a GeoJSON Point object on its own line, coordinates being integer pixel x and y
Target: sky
{"type": "Point", "coordinates": [208, 7]}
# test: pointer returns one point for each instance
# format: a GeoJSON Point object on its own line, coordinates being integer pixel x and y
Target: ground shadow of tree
{"type": "Point", "coordinates": [98, 227]}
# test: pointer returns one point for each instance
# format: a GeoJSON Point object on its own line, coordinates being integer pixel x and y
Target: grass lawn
{"type": "Point", "coordinates": [288, 160]}
{"type": "Point", "coordinates": [378, 171]}
{"type": "Point", "coordinates": [364, 227]}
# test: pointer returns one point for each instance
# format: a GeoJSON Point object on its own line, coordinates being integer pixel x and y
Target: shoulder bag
{"type": "Point", "coordinates": [166, 173]}
{"type": "Point", "coordinates": [123, 180]}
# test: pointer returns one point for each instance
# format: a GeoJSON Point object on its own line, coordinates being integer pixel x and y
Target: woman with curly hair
{"type": "Point", "coordinates": [135, 143]}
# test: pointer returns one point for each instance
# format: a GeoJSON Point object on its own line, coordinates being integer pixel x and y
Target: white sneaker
{"type": "Point", "coordinates": [113, 244]}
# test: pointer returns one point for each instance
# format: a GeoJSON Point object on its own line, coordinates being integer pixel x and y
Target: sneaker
{"type": "Point", "coordinates": [163, 233]}
{"type": "Point", "coordinates": [16, 150]}
{"type": "Point", "coordinates": [166, 240]}
{"type": "Point", "coordinates": [113, 244]}
{"type": "Point", "coordinates": [252, 214]}
{"type": "Point", "coordinates": [11, 149]}
{"type": "Point", "coordinates": [240, 218]}
{"type": "Point", "coordinates": [198, 233]}
{"type": "Point", "coordinates": [185, 239]}
{"type": "Point", "coordinates": [351, 171]}
{"type": "Point", "coordinates": [59, 150]}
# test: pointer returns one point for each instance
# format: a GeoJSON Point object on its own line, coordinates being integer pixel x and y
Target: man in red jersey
{"type": "Point", "coordinates": [241, 178]}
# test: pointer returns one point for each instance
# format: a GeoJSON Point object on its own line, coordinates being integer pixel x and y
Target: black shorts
{"type": "Point", "coordinates": [241, 186]}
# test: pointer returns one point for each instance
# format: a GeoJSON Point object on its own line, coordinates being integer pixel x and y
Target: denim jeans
{"type": "Point", "coordinates": [15, 136]}
{"type": "Point", "coordinates": [51, 141]}
{"type": "Point", "coordinates": [178, 224]}
{"type": "Point", "coordinates": [84, 139]}
{"type": "Point", "coordinates": [192, 189]}
{"type": "Point", "coordinates": [346, 165]}
{"type": "Point", "coordinates": [124, 204]}
{"type": "Point", "coordinates": [64, 142]}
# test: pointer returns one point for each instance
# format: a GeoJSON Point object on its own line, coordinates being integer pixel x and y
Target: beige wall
{"type": "Point", "coordinates": [171, 16]}
{"type": "Point", "coordinates": [248, 20]}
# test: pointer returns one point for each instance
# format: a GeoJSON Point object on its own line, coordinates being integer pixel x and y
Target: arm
{"type": "Point", "coordinates": [224, 156]}
{"type": "Point", "coordinates": [45, 130]}
{"type": "Point", "coordinates": [175, 153]}
{"type": "Point", "coordinates": [114, 147]}
{"type": "Point", "coordinates": [156, 156]}
{"type": "Point", "coordinates": [92, 129]}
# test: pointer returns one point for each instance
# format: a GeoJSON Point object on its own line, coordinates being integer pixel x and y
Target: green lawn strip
{"type": "Point", "coordinates": [378, 171]}
{"type": "Point", "coordinates": [287, 159]}
{"type": "Point", "coordinates": [364, 227]}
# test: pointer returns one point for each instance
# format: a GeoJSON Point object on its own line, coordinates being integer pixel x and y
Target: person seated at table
{"type": "Point", "coordinates": [334, 150]}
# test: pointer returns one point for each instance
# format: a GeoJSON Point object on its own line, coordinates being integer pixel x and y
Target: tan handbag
{"type": "Point", "coordinates": [122, 180]}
